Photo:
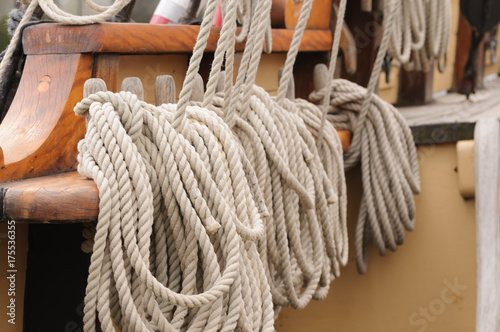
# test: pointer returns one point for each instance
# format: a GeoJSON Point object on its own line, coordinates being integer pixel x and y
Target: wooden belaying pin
{"type": "Point", "coordinates": [290, 91]}
{"type": "Point", "coordinates": [320, 76]}
{"type": "Point", "coordinates": [91, 86]}
{"type": "Point", "coordinates": [198, 89]}
{"type": "Point", "coordinates": [164, 90]}
{"type": "Point", "coordinates": [134, 85]}
{"type": "Point", "coordinates": [320, 79]}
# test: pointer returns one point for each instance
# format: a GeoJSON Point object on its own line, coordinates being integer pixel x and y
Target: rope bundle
{"type": "Point", "coordinates": [384, 144]}
{"type": "Point", "coordinates": [389, 167]}
{"type": "Point", "coordinates": [213, 215]}
{"type": "Point", "coordinates": [307, 239]}
{"type": "Point", "coordinates": [306, 217]}
{"type": "Point", "coordinates": [420, 33]}
{"type": "Point", "coordinates": [175, 243]}
{"type": "Point", "coordinates": [173, 186]}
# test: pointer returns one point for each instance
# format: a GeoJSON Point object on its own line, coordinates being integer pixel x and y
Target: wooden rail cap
{"type": "Point", "coordinates": [139, 38]}
{"type": "Point", "coordinates": [67, 197]}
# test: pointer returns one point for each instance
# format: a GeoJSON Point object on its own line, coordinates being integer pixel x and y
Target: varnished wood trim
{"type": "Point", "coordinates": [67, 197]}
{"type": "Point", "coordinates": [40, 133]}
{"type": "Point", "coordinates": [138, 38]}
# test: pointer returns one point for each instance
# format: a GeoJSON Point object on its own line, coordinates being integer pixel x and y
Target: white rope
{"type": "Point", "coordinates": [384, 144]}
{"type": "Point", "coordinates": [420, 33]}
{"type": "Point", "coordinates": [306, 202]}
{"type": "Point", "coordinates": [190, 175]}
{"type": "Point", "coordinates": [146, 172]}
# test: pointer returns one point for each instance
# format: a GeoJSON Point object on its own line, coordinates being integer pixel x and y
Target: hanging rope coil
{"type": "Point", "coordinates": [189, 260]}
{"type": "Point", "coordinates": [306, 237]}
{"type": "Point", "coordinates": [420, 33]}
{"type": "Point", "coordinates": [389, 167]}
{"type": "Point", "coordinates": [146, 172]}
{"type": "Point", "coordinates": [384, 144]}
{"type": "Point", "coordinates": [307, 240]}
{"type": "Point", "coordinates": [301, 238]}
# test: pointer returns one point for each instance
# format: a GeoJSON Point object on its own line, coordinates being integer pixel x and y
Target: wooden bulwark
{"type": "Point", "coordinates": [39, 134]}
{"type": "Point", "coordinates": [68, 197]}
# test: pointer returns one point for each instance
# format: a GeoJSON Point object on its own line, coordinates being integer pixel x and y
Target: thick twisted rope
{"type": "Point", "coordinates": [146, 172]}
{"type": "Point", "coordinates": [420, 33]}
{"type": "Point", "coordinates": [196, 270]}
{"type": "Point", "coordinates": [306, 209]}
{"type": "Point", "coordinates": [193, 164]}
{"type": "Point", "coordinates": [384, 144]}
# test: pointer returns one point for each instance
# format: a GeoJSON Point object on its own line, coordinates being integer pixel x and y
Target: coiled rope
{"type": "Point", "coordinates": [384, 144]}
{"type": "Point", "coordinates": [420, 33]}
{"type": "Point", "coordinates": [307, 237]}
{"type": "Point", "coordinates": [175, 246]}
{"type": "Point", "coordinates": [207, 224]}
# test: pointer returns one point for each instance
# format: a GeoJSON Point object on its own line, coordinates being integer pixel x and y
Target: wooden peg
{"type": "Point", "coordinates": [134, 85]}
{"type": "Point", "coordinates": [198, 89]}
{"type": "Point", "coordinates": [220, 82]}
{"type": "Point", "coordinates": [164, 90]}
{"type": "Point", "coordinates": [320, 76]}
{"type": "Point", "coordinates": [93, 85]}
{"type": "Point", "coordinates": [320, 79]}
{"type": "Point", "coordinates": [290, 91]}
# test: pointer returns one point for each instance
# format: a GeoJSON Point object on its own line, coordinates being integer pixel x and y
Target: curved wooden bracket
{"type": "Point", "coordinates": [40, 132]}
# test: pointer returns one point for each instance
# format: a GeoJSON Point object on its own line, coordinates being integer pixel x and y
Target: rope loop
{"type": "Point", "coordinates": [145, 172]}
{"type": "Point", "coordinates": [61, 16]}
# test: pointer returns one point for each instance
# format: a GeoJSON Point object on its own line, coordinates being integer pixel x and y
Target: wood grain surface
{"type": "Point", "coordinates": [40, 132]}
{"type": "Point", "coordinates": [137, 38]}
{"type": "Point", "coordinates": [66, 197]}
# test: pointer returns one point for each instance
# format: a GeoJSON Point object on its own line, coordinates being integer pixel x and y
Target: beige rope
{"type": "Point", "coordinates": [131, 149]}
{"type": "Point", "coordinates": [384, 144]}
{"type": "Point", "coordinates": [190, 175]}
{"type": "Point", "coordinates": [420, 33]}
{"type": "Point", "coordinates": [301, 246]}
{"type": "Point", "coordinates": [177, 244]}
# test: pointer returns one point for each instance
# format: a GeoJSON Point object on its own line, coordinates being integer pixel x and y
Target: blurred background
{"type": "Point", "coordinates": [143, 11]}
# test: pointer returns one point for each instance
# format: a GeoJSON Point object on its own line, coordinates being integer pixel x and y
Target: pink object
{"type": "Point", "coordinates": [157, 19]}
{"type": "Point", "coordinates": [169, 11]}
{"type": "Point", "coordinates": [218, 16]}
